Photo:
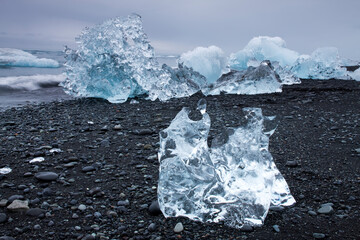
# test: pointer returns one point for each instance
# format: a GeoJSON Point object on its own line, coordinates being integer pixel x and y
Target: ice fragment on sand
{"type": "Point", "coordinates": [37, 159]}
{"type": "Point", "coordinates": [355, 75]}
{"type": "Point", "coordinates": [253, 80]}
{"type": "Point", "coordinates": [115, 61]}
{"type": "Point", "coordinates": [10, 57]}
{"type": "Point", "coordinates": [323, 63]}
{"type": "Point", "coordinates": [5, 170]}
{"type": "Point", "coordinates": [210, 62]}
{"type": "Point", "coordinates": [235, 181]}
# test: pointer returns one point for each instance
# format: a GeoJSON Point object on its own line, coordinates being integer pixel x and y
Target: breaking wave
{"type": "Point", "coordinates": [29, 83]}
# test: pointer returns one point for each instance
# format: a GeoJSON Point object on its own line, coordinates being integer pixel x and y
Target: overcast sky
{"type": "Point", "coordinates": [174, 27]}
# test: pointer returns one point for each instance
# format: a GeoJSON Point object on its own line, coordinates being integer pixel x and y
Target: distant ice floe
{"type": "Point", "coordinates": [34, 82]}
{"type": "Point", "coordinates": [10, 57]}
{"type": "Point", "coordinates": [115, 61]}
{"type": "Point", "coordinates": [234, 182]}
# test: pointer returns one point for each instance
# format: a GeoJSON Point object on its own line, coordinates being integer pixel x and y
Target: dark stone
{"type": "Point", "coordinates": [88, 169]}
{"type": "Point", "coordinates": [14, 197]}
{"type": "Point", "coordinates": [3, 217]}
{"type": "Point", "coordinates": [246, 228]}
{"type": "Point", "coordinates": [154, 208]}
{"type": "Point", "coordinates": [35, 212]}
{"type": "Point", "coordinates": [46, 176]}
{"type": "Point", "coordinates": [6, 238]}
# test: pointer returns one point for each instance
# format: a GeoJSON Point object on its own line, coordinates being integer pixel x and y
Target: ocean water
{"type": "Point", "coordinates": [20, 86]}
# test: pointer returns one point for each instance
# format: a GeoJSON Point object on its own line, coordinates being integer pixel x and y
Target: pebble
{"type": "Point", "coordinates": [276, 228]}
{"type": "Point", "coordinates": [154, 208]}
{"type": "Point", "coordinates": [152, 227]}
{"type": "Point", "coordinates": [117, 127]}
{"type": "Point", "coordinates": [35, 212]}
{"type": "Point", "coordinates": [6, 238]}
{"type": "Point", "coordinates": [123, 203]}
{"type": "Point", "coordinates": [82, 207]}
{"type": "Point", "coordinates": [14, 197]}
{"type": "Point", "coordinates": [88, 169]}
{"type": "Point", "coordinates": [325, 209]}
{"type": "Point", "coordinates": [18, 205]}
{"type": "Point", "coordinates": [178, 227]}
{"type": "Point", "coordinates": [312, 213]}
{"type": "Point", "coordinates": [3, 217]}
{"type": "Point", "coordinates": [3, 202]}
{"type": "Point", "coordinates": [37, 227]}
{"type": "Point", "coordinates": [318, 235]}
{"type": "Point", "coordinates": [291, 164]}
{"type": "Point", "coordinates": [246, 228]}
{"type": "Point", "coordinates": [46, 176]}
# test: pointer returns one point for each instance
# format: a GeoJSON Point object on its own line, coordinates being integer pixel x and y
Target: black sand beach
{"type": "Point", "coordinates": [106, 174]}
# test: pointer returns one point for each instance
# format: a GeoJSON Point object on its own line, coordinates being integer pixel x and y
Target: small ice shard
{"type": "Point", "coordinates": [324, 63]}
{"type": "Point", "coordinates": [253, 80]}
{"type": "Point", "coordinates": [37, 159]}
{"type": "Point", "coordinates": [5, 170]}
{"type": "Point", "coordinates": [10, 57]}
{"type": "Point", "coordinates": [260, 49]}
{"type": "Point", "coordinates": [55, 150]}
{"type": "Point", "coordinates": [235, 181]}
{"type": "Point", "coordinates": [209, 62]}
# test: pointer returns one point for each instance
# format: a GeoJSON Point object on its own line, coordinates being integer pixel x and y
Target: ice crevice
{"type": "Point", "coordinates": [234, 181]}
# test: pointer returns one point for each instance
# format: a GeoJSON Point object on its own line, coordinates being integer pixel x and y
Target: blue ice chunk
{"type": "Point", "coordinates": [323, 63]}
{"type": "Point", "coordinates": [253, 80]}
{"type": "Point", "coordinates": [115, 61]}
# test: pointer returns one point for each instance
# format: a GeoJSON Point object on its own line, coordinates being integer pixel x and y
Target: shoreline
{"type": "Point", "coordinates": [113, 172]}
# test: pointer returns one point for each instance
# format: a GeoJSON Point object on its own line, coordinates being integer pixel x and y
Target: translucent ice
{"type": "Point", "coordinates": [260, 49]}
{"type": "Point", "coordinates": [355, 75]}
{"type": "Point", "coordinates": [210, 62]}
{"type": "Point", "coordinates": [324, 63]}
{"type": "Point", "coordinates": [115, 61]}
{"type": "Point", "coordinates": [10, 57]}
{"type": "Point", "coordinates": [253, 80]}
{"type": "Point", "coordinates": [5, 170]}
{"type": "Point", "coordinates": [235, 181]}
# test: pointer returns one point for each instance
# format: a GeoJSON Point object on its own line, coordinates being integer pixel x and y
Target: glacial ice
{"type": "Point", "coordinates": [260, 49]}
{"type": "Point", "coordinates": [323, 63]}
{"type": "Point", "coordinates": [115, 61]}
{"type": "Point", "coordinates": [10, 57]}
{"type": "Point", "coordinates": [355, 75]}
{"type": "Point", "coordinates": [253, 80]}
{"type": "Point", "coordinates": [235, 181]}
{"type": "Point", "coordinates": [209, 62]}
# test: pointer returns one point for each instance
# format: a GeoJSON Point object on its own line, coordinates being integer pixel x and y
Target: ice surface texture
{"type": "Point", "coordinates": [235, 181]}
{"type": "Point", "coordinates": [115, 61]}
{"type": "Point", "coordinates": [260, 49]}
{"type": "Point", "coordinates": [210, 62]}
{"type": "Point", "coordinates": [10, 57]}
{"type": "Point", "coordinates": [253, 80]}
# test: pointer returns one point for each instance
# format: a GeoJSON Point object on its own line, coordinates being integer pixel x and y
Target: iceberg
{"type": "Point", "coordinates": [260, 49]}
{"type": "Point", "coordinates": [323, 63]}
{"type": "Point", "coordinates": [235, 181]}
{"type": "Point", "coordinates": [115, 61]}
{"type": "Point", "coordinates": [209, 62]}
{"type": "Point", "coordinates": [10, 57]}
{"type": "Point", "coordinates": [355, 75]}
{"type": "Point", "coordinates": [253, 80]}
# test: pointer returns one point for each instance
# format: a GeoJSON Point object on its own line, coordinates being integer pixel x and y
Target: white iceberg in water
{"type": "Point", "coordinates": [209, 62]}
{"type": "Point", "coordinates": [10, 57]}
{"type": "Point", "coordinates": [115, 61]}
{"type": "Point", "coordinates": [235, 181]}
{"type": "Point", "coordinates": [260, 49]}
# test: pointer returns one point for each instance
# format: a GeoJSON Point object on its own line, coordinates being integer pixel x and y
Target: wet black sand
{"type": "Point", "coordinates": [114, 172]}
